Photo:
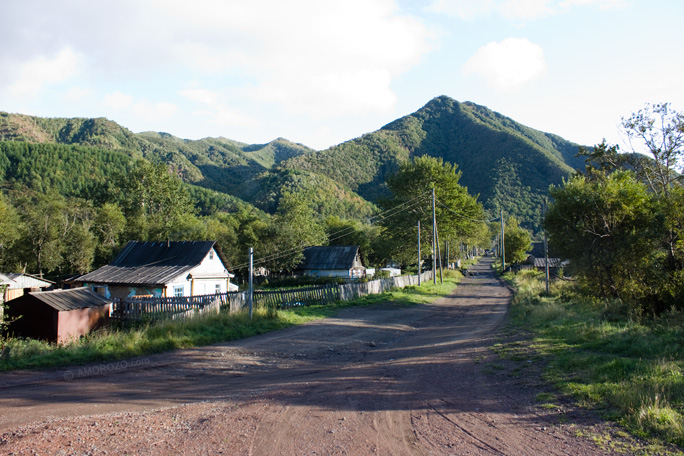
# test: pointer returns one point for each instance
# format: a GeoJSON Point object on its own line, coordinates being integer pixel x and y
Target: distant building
{"type": "Point", "coordinates": [162, 269]}
{"type": "Point", "coordinates": [23, 283]}
{"type": "Point", "coordinates": [332, 261]}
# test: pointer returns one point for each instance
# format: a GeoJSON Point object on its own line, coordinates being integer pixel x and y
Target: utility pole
{"type": "Point", "coordinates": [503, 245]}
{"type": "Point", "coordinates": [546, 251]}
{"type": "Point", "coordinates": [439, 257]}
{"type": "Point", "coordinates": [250, 296]}
{"type": "Point", "coordinates": [419, 268]}
{"type": "Point", "coordinates": [434, 240]}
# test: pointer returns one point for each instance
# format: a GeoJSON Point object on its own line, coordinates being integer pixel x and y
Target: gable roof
{"type": "Point", "coordinates": [151, 263]}
{"type": "Point", "coordinates": [71, 299]}
{"type": "Point", "coordinates": [329, 257]}
{"type": "Point", "coordinates": [28, 281]}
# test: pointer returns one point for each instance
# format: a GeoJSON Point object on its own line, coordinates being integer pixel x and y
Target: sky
{"type": "Point", "coordinates": [321, 72]}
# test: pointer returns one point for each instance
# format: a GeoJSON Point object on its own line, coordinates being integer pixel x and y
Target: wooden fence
{"type": "Point", "coordinates": [152, 309]}
{"type": "Point", "coordinates": [134, 309]}
{"type": "Point", "coordinates": [294, 297]}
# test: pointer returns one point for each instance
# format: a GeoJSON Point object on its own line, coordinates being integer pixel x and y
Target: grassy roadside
{"type": "Point", "coordinates": [629, 369]}
{"type": "Point", "coordinates": [108, 344]}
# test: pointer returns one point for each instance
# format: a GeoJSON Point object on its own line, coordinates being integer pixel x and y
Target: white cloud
{"type": "Point", "coordinates": [118, 100]}
{"type": "Point", "coordinates": [32, 76]}
{"type": "Point", "coordinates": [514, 9]}
{"type": "Point", "coordinates": [317, 59]}
{"type": "Point", "coordinates": [463, 9]}
{"type": "Point", "coordinates": [143, 109]}
{"type": "Point", "coordinates": [508, 64]}
{"type": "Point", "coordinates": [154, 111]}
{"type": "Point", "coordinates": [76, 94]}
{"type": "Point", "coordinates": [200, 95]}
{"type": "Point", "coordinates": [215, 108]}
{"type": "Point", "coordinates": [306, 55]}
{"type": "Point", "coordinates": [525, 9]}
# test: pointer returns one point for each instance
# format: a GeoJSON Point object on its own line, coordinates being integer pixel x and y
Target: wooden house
{"type": "Point", "coordinates": [332, 261]}
{"type": "Point", "coordinates": [56, 316]}
{"type": "Point", "coordinates": [162, 269]}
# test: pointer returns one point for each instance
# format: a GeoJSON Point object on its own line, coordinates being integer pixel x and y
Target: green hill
{"type": "Point", "coordinates": [510, 166]}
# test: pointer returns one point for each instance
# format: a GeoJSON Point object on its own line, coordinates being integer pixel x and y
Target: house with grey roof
{"type": "Point", "coordinates": [332, 261]}
{"type": "Point", "coordinates": [162, 269]}
{"type": "Point", "coordinates": [57, 316]}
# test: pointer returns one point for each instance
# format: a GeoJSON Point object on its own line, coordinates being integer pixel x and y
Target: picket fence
{"type": "Point", "coordinates": [134, 309]}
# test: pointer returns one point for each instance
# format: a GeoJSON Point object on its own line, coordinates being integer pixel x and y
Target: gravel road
{"type": "Point", "coordinates": [386, 380]}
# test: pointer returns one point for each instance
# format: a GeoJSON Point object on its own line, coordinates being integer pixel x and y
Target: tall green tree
{"type": "Point", "coordinates": [517, 241]}
{"type": "Point", "coordinates": [46, 225]}
{"type": "Point", "coordinates": [609, 230]}
{"type": "Point", "coordinates": [10, 230]}
{"type": "Point", "coordinates": [155, 203]}
{"type": "Point", "coordinates": [458, 213]}
{"type": "Point", "coordinates": [293, 228]}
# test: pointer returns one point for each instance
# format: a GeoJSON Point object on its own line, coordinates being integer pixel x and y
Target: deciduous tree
{"type": "Point", "coordinates": [457, 212]}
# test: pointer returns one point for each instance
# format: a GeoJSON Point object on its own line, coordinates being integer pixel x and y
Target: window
{"type": "Point", "coordinates": [211, 254]}
{"type": "Point", "coordinates": [100, 290]}
{"type": "Point", "coordinates": [179, 291]}
{"type": "Point", "coordinates": [218, 288]}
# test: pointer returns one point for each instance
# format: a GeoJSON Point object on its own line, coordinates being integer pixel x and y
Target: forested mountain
{"type": "Point", "coordinates": [508, 165]}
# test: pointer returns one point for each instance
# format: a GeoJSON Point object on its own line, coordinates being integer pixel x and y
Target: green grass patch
{"type": "Point", "coordinates": [632, 371]}
{"type": "Point", "coordinates": [116, 344]}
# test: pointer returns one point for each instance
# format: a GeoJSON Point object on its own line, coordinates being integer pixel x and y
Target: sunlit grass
{"type": "Point", "coordinates": [632, 371]}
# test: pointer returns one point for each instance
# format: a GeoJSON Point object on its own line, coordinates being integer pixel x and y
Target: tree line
{"type": "Point", "coordinates": [47, 233]}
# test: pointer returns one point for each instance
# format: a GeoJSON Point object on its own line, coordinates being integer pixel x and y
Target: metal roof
{"type": "Point", "coordinates": [28, 281]}
{"type": "Point", "coordinates": [329, 257]}
{"type": "Point", "coordinates": [150, 263]}
{"type": "Point", "coordinates": [71, 299]}
{"type": "Point", "coordinates": [553, 262]}
{"type": "Point", "coordinates": [4, 280]}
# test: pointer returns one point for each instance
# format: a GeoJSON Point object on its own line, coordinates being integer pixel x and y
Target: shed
{"type": "Point", "coordinates": [332, 261]}
{"type": "Point", "coordinates": [162, 269]}
{"type": "Point", "coordinates": [23, 283]}
{"type": "Point", "coordinates": [57, 316]}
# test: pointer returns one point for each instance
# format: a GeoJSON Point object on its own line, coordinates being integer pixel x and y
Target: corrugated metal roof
{"type": "Point", "coordinates": [329, 257]}
{"type": "Point", "coordinates": [28, 281]}
{"type": "Point", "coordinates": [150, 263]}
{"type": "Point", "coordinates": [4, 280]}
{"type": "Point", "coordinates": [553, 262]}
{"type": "Point", "coordinates": [71, 299]}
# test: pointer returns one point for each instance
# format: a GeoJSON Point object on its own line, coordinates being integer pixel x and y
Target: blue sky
{"type": "Point", "coordinates": [322, 72]}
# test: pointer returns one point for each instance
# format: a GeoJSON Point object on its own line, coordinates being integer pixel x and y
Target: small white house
{"type": "Point", "coordinates": [162, 269]}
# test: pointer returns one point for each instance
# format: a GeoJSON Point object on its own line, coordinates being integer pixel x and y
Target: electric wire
{"type": "Point", "coordinates": [400, 208]}
{"type": "Point", "coordinates": [463, 216]}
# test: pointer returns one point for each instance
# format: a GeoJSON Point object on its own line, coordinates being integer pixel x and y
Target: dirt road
{"type": "Point", "coordinates": [386, 380]}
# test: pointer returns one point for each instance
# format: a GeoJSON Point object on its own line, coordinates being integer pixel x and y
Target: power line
{"type": "Point", "coordinates": [463, 216]}
{"type": "Point", "coordinates": [406, 205]}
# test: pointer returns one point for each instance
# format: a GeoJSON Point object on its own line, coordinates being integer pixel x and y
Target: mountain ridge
{"type": "Point", "coordinates": [509, 165]}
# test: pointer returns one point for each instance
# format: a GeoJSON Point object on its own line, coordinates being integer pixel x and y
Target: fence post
{"type": "Point", "coordinates": [251, 280]}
